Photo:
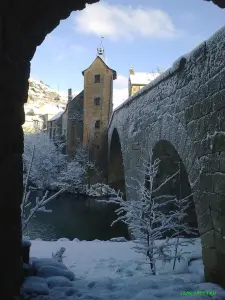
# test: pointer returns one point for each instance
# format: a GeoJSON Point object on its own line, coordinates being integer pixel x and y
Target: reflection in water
{"type": "Point", "coordinates": [71, 218]}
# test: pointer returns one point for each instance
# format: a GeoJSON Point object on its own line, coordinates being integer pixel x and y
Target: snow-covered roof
{"type": "Point", "coordinates": [143, 78]}
{"type": "Point", "coordinates": [58, 115]}
{"type": "Point", "coordinates": [51, 109]}
{"type": "Point", "coordinates": [33, 118]}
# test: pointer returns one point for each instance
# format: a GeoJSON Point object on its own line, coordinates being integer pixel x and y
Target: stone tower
{"type": "Point", "coordinates": [98, 96]}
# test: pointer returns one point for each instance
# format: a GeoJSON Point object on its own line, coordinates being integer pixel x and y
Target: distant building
{"type": "Point", "coordinates": [86, 117]}
{"type": "Point", "coordinates": [54, 126]}
{"type": "Point", "coordinates": [98, 97]}
{"type": "Point", "coordinates": [75, 123]}
{"type": "Point", "coordinates": [137, 80]}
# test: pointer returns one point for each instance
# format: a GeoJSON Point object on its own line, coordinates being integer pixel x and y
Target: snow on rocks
{"type": "Point", "coordinates": [118, 239]}
{"type": "Point", "coordinates": [52, 281]}
{"type": "Point", "coordinates": [114, 271]}
{"type": "Point", "coordinates": [48, 271]}
{"type": "Point", "coordinates": [38, 263]}
{"type": "Point", "coordinates": [59, 281]}
{"type": "Point", "coordinates": [35, 285]}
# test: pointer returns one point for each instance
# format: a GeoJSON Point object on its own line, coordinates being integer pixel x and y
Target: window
{"type": "Point", "coordinates": [97, 78]}
{"type": "Point", "coordinates": [97, 101]}
{"type": "Point", "coordinates": [97, 124]}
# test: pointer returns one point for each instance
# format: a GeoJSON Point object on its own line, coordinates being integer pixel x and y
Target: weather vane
{"type": "Point", "coordinates": [100, 50]}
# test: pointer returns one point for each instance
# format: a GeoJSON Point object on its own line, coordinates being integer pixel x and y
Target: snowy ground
{"type": "Point", "coordinates": [113, 271]}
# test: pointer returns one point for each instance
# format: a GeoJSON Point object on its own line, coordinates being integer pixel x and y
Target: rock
{"type": "Point", "coordinates": [63, 240]}
{"type": "Point", "coordinates": [49, 271]}
{"type": "Point", "coordinates": [76, 240]}
{"type": "Point", "coordinates": [28, 270]}
{"type": "Point", "coordinates": [58, 281]}
{"type": "Point", "coordinates": [35, 285]}
{"type": "Point", "coordinates": [67, 291]}
{"type": "Point", "coordinates": [118, 239]}
{"type": "Point", "coordinates": [38, 263]}
{"type": "Point", "coordinates": [25, 250]}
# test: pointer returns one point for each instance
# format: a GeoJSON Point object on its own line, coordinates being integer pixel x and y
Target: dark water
{"type": "Point", "coordinates": [74, 217]}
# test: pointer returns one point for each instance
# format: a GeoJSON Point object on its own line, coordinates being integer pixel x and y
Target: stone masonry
{"type": "Point", "coordinates": [23, 26]}
{"type": "Point", "coordinates": [185, 106]}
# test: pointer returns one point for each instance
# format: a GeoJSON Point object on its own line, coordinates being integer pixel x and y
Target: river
{"type": "Point", "coordinates": [73, 217]}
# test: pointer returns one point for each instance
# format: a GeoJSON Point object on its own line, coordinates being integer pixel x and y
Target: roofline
{"type": "Point", "coordinates": [139, 84]}
{"type": "Point", "coordinates": [113, 71]}
{"type": "Point", "coordinates": [57, 117]}
{"type": "Point", "coordinates": [75, 97]}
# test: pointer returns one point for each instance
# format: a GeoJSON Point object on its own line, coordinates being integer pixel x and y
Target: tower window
{"type": "Point", "coordinates": [97, 101]}
{"type": "Point", "coordinates": [97, 124]}
{"type": "Point", "coordinates": [97, 78]}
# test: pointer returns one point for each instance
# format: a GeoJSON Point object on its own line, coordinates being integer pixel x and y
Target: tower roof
{"type": "Point", "coordinates": [113, 71]}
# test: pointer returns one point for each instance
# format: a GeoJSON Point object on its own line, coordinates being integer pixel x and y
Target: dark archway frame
{"type": "Point", "coordinates": [23, 26]}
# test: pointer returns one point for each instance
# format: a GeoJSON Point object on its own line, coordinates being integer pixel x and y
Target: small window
{"type": "Point", "coordinates": [97, 78]}
{"type": "Point", "coordinates": [97, 101]}
{"type": "Point", "coordinates": [97, 124]}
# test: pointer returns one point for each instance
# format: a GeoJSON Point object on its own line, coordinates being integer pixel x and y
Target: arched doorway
{"type": "Point", "coordinates": [116, 177]}
{"type": "Point", "coordinates": [179, 186]}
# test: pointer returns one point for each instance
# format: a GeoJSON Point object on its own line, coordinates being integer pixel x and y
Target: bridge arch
{"type": "Point", "coordinates": [116, 174]}
{"type": "Point", "coordinates": [179, 186]}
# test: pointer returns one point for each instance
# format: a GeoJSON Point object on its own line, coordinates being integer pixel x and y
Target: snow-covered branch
{"type": "Point", "coordinates": [39, 207]}
{"type": "Point", "coordinates": [48, 160]}
{"type": "Point", "coordinates": [149, 217]}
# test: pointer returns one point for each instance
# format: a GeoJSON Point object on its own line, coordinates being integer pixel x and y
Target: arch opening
{"type": "Point", "coordinates": [116, 176]}
{"type": "Point", "coordinates": [179, 185]}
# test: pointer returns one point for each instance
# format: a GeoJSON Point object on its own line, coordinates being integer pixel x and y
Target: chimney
{"type": "Point", "coordinates": [70, 97]}
{"type": "Point", "coordinates": [131, 71]}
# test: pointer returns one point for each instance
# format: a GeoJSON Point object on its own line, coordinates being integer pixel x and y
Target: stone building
{"type": "Point", "coordinates": [74, 123]}
{"type": "Point", "coordinates": [97, 108]}
{"type": "Point", "coordinates": [137, 80]}
{"type": "Point", "coordinates": [54, 126]}
{"type": "Point", "coordinates": [86, 117]}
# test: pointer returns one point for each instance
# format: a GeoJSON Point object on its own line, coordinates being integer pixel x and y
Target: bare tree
{"type": "Point", "coordinates": [150, 219]}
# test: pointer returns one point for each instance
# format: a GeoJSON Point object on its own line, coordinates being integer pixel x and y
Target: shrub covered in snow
{"type": "Point", "coordinates": [149, 219]}
{"type": "Point", "coordinates": [48, 160]}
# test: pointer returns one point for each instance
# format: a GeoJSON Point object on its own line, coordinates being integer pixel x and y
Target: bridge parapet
{"type": "Point", "coordinates": [185, 107]}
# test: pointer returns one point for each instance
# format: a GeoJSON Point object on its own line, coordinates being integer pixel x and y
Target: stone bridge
{"type": "Point", "coordinates": [180, 117]}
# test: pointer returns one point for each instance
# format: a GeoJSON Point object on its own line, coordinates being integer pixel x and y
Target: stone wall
{"type": "Point", "coordinates": [75, 124]}
{"type": "Point", "coordinates": [185, 106]}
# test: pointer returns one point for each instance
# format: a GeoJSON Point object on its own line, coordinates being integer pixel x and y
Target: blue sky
{"type": "Point", "coordinates": [148, 35]}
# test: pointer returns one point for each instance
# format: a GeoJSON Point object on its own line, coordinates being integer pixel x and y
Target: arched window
{"type": "Point", "coordinates": [97, 101]}
{"type": "Point", "coordinates": [97, 124]}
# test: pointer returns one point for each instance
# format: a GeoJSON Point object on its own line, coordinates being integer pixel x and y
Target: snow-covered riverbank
{"type": "Point", "coordinates": [112, 270]}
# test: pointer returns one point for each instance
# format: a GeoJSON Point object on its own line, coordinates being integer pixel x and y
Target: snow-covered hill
{"type": "Point", "coordinates": [40, 94]}
{"type": "Point", "coordinates": [42, 100]}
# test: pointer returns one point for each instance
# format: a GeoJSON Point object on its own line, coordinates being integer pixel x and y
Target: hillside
{"type": "Point", "coordinates": [40, 94]}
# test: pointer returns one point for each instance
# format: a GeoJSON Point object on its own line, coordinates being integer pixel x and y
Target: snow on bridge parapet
{"type": "Point", "coordinates": [209, 45]}
{"type": "Point", "coordinates": [177, 66]}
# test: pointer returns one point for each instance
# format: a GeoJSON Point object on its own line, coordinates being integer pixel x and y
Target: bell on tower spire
{"type": "Point", "coordinates": [100, 50]}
